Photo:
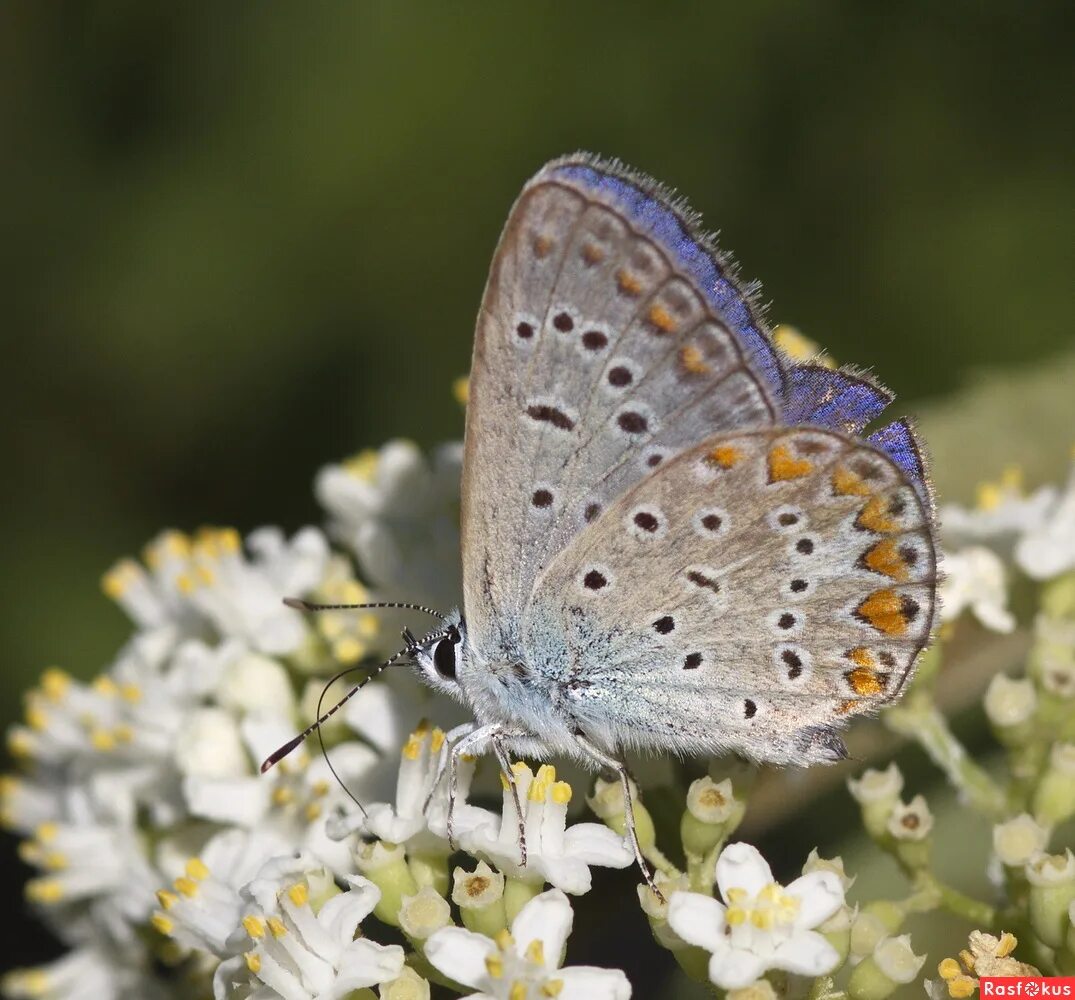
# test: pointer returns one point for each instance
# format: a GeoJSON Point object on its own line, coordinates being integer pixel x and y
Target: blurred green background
{"type": "Point", "coordinates": [243, 240]}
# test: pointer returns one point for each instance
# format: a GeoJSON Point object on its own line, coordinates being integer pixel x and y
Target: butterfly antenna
{"type": "Point", "coordinates": [281, 752]}
{"type": "Point", "coordinates": [300, 605]}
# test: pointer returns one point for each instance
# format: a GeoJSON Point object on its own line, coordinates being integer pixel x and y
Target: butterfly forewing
{"type": "Point", "coordinates": [749, 594]}
{"type": "Point", "coordinates": [597, 358]}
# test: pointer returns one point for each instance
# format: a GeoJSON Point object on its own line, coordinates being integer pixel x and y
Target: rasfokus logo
{"type": "Point", "coordinates": [1027, 986]}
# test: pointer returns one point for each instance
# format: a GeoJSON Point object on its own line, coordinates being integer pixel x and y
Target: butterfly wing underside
{"type": "Point", "coordinates": [598, 356]}
{"type": "Point", "coordinates": [750, 594]}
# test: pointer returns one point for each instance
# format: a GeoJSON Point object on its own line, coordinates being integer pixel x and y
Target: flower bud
{"type": "Point", "coordinates": [892, 964]}
{"type": "Point", "coordinates": [1018, 840]}
{"type": "Point", "coordinates": [408, 986]}
{"type": "Point", "coordinates": [252, 683]}
{"type": "Point", "coordinates": [385, 865]}
{"type": "Point", "coordinates": [712, 813]}
{"type": "Point", "coordinates": [1052, 657]}
{"type": "Point", "coordinates": [816, 863]}
{"type": "Point", "coordinates": [656, 909]}
{"type": "Point", "coordinates": [422, 914]}
{"type": "Point", "coordinates": [877, 793]}
{"type": "Point", "coordinates": [837, 931]}
{"type": "Point", "coordinates": [1010, 705]}
{"type": "Point", "coordinates": [1052, 890]}
{"type": "Point", "coordinates": [910, 825]}
{"type": "Point", "coordinates": [872, 924]}
{"type": "Point", "coordinates": [760, 990]}
{"type": "Point", "coordinates": [480, 898]}
{"type": "Point", "coordinates": [1054, 798]}
{"type": "Point", "coordinates": [607, 804]}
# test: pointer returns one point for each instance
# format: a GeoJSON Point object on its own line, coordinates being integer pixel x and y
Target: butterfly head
{"type": "Point", "coordinates": [439, 655]}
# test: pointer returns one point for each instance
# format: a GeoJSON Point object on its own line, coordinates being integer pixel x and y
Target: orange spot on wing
{"type": "Point", "coordinates": [725, 456]}
{"type": "Point", "coordinates": [592, 254]}
{"type": "Point", "coordinates": [885, 558]}
{"type": "Point", "coordinates": [661, 319]}
{"type": "Point", "coordinates": [884, 610]}
{"type": "Point", "coordinates": [874, 516]}
{"type": "Point", "coordinates": [628, 283]}
{"type": "Point", "coordinates": [846, 706]}
{"type": "Point", "coordinates": [860, 656]}
{"type": "Point", "coordinates": [783, 465]}
{"type": "Point", "coordinates": [847, 483]}
{"type": "Point", "coordinates": [692, 361]}
{"type": "Point", "coordinates": [864, 681]}
{"type": "Point", "coordinates": [542, 245]}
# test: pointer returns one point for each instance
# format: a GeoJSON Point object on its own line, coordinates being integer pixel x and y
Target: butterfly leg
{"type": "Point", "coordinates": [452, 737]}
{"type": "Point", "coordinates": [607, 763]}
{"type": "Point", "coordinates": [505, 769]}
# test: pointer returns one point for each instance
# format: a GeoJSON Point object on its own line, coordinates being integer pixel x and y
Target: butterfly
{"type": "Point", "coordinates": [674, 539]}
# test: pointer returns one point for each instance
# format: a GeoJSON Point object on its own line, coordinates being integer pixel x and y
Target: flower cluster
{"type": "Point", "coordinates": [172, 868]}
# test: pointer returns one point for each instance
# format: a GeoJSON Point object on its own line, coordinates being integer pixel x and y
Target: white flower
{"type": "Point", "coordinates": [1019, 840]}
{"type": "Point", "coordinates": [1010, 701]}
{"type": "Point", "coordinates": [295, 800]}
{"type": "Point", "coordinates": [525, 961]}
{"type": "Point", "coordinates": [973, 578]}
{"type": "Point", "coordinates": [554, 853]}
{"type": "Point", "coordinates": [305, 953]}
{"type": "Point", "coordinates": [204, 907]}
{"type": "Point", "coordinates": [210, 582]}
{"type": "Point", "coordinates": [911, 821]}
{"type": "Point", "coordinates": [761, 925]}
{"type": "Point", "coordinates": [408, 821]}
{"type": "Point", "coordinates": [877, 786]}
{"type": "Point", "coordinates": [87, 973]}
{"type": "Point", "coordinates": [399, 513]}
{"type": "Point", "coordinates": [1048, 548]}
{"type": "Point", "coordinates": [93, 858]}
{"type": "Point", "coordinates": [1003, 513]}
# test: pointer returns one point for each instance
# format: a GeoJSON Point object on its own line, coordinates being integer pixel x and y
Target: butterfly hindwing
{"type": "Point", "coordinates": [599, 355]}
{"type": "Point", "coordinates": [749, 594]}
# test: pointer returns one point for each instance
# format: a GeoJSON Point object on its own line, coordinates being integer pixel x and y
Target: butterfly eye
{"type": "Point", "coordinates": [444, 657]}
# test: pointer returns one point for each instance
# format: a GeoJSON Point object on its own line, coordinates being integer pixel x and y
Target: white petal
{"type": "Point", "coordinates": [733, 968]}
{"type": "Point", "coordinates": [741, 866]}
{"type": "Point", "coordinates": [239, 801]}
{"type": "Point", "coordinates": [564, 873]}
{"type": "Point", "coordinates": [365, 963]}
{"type": "Point", "coordinates": [584, 982]}
{"type": "Point", "coordinates": [820, 895]}
{"type": "Point", "coordinates": [806, 953]}
{"type": "Point", "coordinates": [460, 954]}
{"type": "Point", "coordinates": [596, 844]}
{"type": "Point", "coordinates": [546, 918]}
{"type": "Point", "coordinates": [697, 919]}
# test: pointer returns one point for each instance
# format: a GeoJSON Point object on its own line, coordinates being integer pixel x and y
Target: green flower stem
{"type": "Point", "coordinates": [660, 861]}
{"type": "Point", "coordinates": [974, 911]}
{"type": "Point", "coordinates": [919, 719]}
{"type": "Point", "coordinates": [431, 869]}
{"type": "Point", "coordinates": [702, 871]}
{"type": "Point", "coordinates": [517, 894]}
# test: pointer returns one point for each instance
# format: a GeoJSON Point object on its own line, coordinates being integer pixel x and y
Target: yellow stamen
{"type": "Point", "coordinates": [276, 927]}
{"type": "Point", "coordinates": [166, 899]}
{"type": "Point", "coordinates": [196, 869]}
{"type": "Point", "coordinates": [299, 894]}
{"type": "Point", "coordinates": [55, 683]}
{"type": "Point", "coordinates": [535, 951]}
{"type": "Point", "coordinates": [253, 961]}
{"type": "Point", "coordinates": [163, 923]}
{"type": "Point", "coordinates": [186, 886]}
{"type": "Point", "coordinates": [254, 926]}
